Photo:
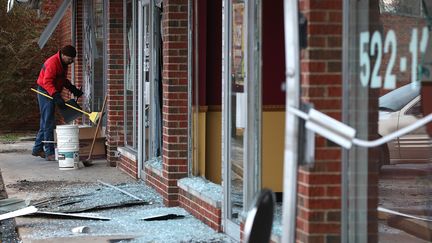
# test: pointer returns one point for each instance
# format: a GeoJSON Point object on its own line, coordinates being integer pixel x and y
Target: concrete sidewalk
{"type": "Point", "coordinates": [32, 178]}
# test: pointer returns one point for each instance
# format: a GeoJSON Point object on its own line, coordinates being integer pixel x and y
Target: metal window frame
{"type": "Point", "coordinates": [142, 21]}
{"type": "Point", "coordinates": [134, 145]}
{"type": "Point", "coordinates": [194, 168]}
{"type": "Point", "coordinates": [88, 14]}
{"type": "Point", "coordinates": [154, 69]}
{"type": "Point", "coordinates": [154, 78]}
{"type": "Point", "coordinates": [190, 85]}
{"type": "Point", "coordinates": [102, 55]}
{"type": "Point", "coordinates": [354, 187]}
{"type": "Point", "coordinates": [230, 228]}
{"type": "Point", "coordinates": [141, 128]}
{"type": "Point", "coordinates": [292, 81]}
{"type": "Point", "coordinates": [52, 25]}
{"type": "Point", "coordinates": [253, 89]}
{"type": "Point", "coordinates": [253, 134]}
{"type": "Point", "coordinates": [105, 54]}
{"type": "Point", "coordinates": [345, 92]}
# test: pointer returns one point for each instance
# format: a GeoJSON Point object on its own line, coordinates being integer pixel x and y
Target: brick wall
{"type": "Point", "coordinates": [319, 188]}
{"type": "Point", "coordinates": [115, 112]}
{"type": "Point", "coordinates": [203, 199]}
{"type": "Point", "coordinates": [209, 214]}
{"type": "Point", "coordinates": [154, 179]}
{"type": "Point", "coordinates": [174, 81]}
{"type": "Point", "coordinates": [129, 166]}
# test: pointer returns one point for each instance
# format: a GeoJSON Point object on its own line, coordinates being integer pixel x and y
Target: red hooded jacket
{"type": "Point", "coordinates": [52, 76]}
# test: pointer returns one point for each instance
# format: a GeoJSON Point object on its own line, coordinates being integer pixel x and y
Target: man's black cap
{"type": "Point", "coordinates": [68, 50]}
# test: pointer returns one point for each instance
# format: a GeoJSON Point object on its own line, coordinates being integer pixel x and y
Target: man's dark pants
{"type": "Point", "coordinates": [46, 126]}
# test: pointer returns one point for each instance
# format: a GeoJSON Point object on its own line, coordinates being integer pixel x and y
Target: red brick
{"type": "Point", "coordinates": [327, 4]}
{"type": "Point", "coordinates": [323, 203]}
{"type": "Point", "coordinates": [324, 29]}
{"type": "Point", "coordinates": [328, 154]}
{"type": "Point", "coordinates": [333, 191]}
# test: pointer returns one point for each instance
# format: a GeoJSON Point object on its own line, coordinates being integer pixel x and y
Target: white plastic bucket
{"type": "Point", "coordinates": [68, 146]}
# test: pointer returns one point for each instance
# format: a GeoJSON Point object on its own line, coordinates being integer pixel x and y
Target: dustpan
{"type": "Point", "coordinates": [69, 114]}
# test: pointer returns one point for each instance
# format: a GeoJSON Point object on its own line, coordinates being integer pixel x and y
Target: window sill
{"type": "Point", "coordinates": [207, 191]}
{"type": "Point", "coordinates": [128, 153]}
{"type": "Point", "coordinates": [154, 165]}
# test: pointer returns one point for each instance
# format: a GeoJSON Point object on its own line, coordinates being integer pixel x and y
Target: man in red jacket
{"type": "Point", "coordinates": [52, 79]}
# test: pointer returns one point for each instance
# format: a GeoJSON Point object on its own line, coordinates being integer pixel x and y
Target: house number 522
{"type": "Point", "coordinates": [373, 47]}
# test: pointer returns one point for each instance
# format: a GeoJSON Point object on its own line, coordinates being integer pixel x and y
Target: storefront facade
{"type": "Point", "coordinates": [200, 92]}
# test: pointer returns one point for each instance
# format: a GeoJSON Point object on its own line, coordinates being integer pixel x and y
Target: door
{"type": "Point", "coordinates": [143, 81]}
{"type": "Point", "coordinates": [385, 45]}
{"type": "Point", "coordinates": [234, 112]}
{"type": "Point", "coordinates": [242, 95]}
{"type": "Point", "coordinates": [149, 58]}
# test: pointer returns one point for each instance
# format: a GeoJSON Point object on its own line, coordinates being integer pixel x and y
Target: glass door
{"type": "Point", "coordinates": [143, 81]}
{"type": "Point", "coordinates": [242, 95]}
{"type": "Point", "coordinates": [149, 82]}
{"type": "Point", "coordinates": [94, 85]}
{"type": "Point", "coordinates": [130, 76]}
{"type": "Point", "coordinates": [386, 47]}
{"type": "Point", "coordinates": [235, 106]}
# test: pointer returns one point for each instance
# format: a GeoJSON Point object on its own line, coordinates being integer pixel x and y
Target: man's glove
{"type": "Point", "coordinates": [76, 92]}
{"type": "Point", "coordinates": [58, 100]}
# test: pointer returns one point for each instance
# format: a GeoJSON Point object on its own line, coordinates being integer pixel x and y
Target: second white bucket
{"type": "Point", "coordinates": [68, 146]}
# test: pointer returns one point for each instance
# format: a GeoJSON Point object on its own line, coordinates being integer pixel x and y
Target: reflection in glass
{"type": "Point", "coordinates": [238, 108]}
{"type": "Point", "coordinates": [130, 75]}
{"type": "Point", "coordinates": [89, 55]}
{"type": "Point", "coordinates": [401, 7]}
{"type": "Point", "coordinates": [392, 39]}
{"type": "Point", "coordinates": [99, 83]}
{"type": "Point", "coordinates": [145, 76]}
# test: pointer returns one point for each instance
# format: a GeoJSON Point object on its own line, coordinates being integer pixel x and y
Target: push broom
{"type": "Point", "coordinates": [93, 116]}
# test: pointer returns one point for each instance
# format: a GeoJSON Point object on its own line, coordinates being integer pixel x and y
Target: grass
{"type": "Point", "coordinates": [9, 138]}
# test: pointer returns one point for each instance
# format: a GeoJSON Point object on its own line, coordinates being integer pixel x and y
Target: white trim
{"type": "Point", "coordinates": [292, 82]}
{"type": "Point", "coordinates": [153, 169]}
{"type": "Point", "coordinates": [128, 153]}
{"type": "Point", "coordinates": [141, 126]}
{"type": "Point", "coordinates": [201, 195]}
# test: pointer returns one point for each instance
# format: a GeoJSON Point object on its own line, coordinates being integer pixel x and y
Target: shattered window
{"type": "Point", "coordinates": [99, 85]}
{"type": "Point", "coordinates": [130, 80]}
{"type": "Point", "coordinates": [401, 7]}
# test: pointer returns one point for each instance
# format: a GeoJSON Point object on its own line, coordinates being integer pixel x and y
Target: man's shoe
{"type": "Point", "coordinates": [40, 154]}
{"type": "Point", "coordinates": [50, 157]}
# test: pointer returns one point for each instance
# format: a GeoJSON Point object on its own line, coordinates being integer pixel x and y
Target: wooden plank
{"type": "Point", "coordinates": [19, 212]}
{"type": "Point", "coordinates": [389, 211]}
{"type": "Point", "coordinates": [70, 215]}
{"type": "Point", "coordinates": [418, 228]}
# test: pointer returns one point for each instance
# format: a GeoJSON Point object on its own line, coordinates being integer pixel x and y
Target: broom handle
{"type": "Point", "coordinates": [97, 128]}
{"type": "Point", "coordinates": [70, 106]}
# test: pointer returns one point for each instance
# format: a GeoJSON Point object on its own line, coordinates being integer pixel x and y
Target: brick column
{"type": "Point", "coordinates": [319, 188]}
{"type": "Point", "coordinates": [174, 81]}
{"type": "Point", "coordinates": [115, 80]}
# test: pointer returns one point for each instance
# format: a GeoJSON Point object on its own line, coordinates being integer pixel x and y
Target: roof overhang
{"type": "Point", "coordinates": [33, 4]}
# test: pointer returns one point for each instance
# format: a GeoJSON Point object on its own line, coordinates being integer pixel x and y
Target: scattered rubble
{"type": "Point", "coordinates": [137, 220]}
{"type": "Point", "coordinates": [163, 217]}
